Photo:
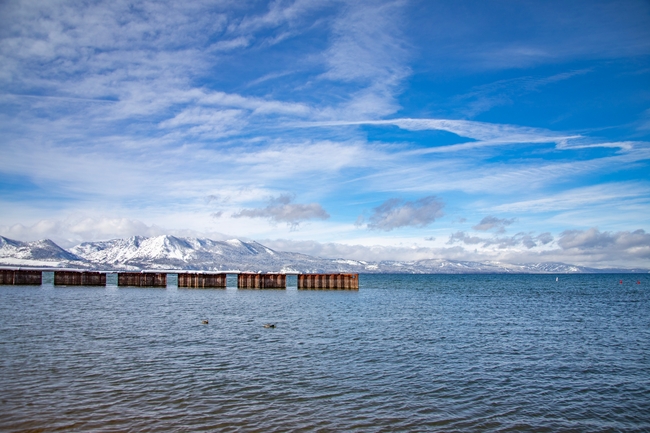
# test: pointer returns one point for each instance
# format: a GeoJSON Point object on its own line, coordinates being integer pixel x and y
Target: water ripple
{"type": "Point", "coordinates": [405, 353]}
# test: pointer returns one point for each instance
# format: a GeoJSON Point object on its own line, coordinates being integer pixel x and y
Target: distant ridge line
{"type": "Point", "coordinates": [177, 255]}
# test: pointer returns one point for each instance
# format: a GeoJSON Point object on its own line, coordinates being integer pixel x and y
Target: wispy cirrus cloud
{"type": "Point", "coordinates": [485, 134]}
{"type": "Point", "coordinates": [504, 92]}
{"type": "Point", "coordinates": [492, 37]}
{"type": "Point", "coordinates": [580, 197]}
{"type": "Point", "coordinates": [368, 48]}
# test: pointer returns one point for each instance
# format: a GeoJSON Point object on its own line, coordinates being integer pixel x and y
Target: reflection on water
{"type": "Point", "coordinates": [405, 353]}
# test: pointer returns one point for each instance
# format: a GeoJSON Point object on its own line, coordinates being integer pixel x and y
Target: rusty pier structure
{"type": "Point", "coordinates": [20, 277]}
{"type": "Point", "coordinates": [186, 279]}
{"type": "Point", "coordinates": [328, 282]}
{"type": "Point", "coordinates": [74, 278]}
{"type": "Point", "coordinates": [142, 279]}
{"type": "Point", "coordinates": [261, 281]}
{"type": "Point", "coordinates": [197, 280]}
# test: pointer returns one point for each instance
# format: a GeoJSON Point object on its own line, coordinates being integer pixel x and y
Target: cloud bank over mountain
{"type": "Point", "coordinates": [170, 254]}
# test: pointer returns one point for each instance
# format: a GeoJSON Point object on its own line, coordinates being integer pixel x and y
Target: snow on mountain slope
{"type": "Point", "coordinates": [135, 248]}
{"type": "Point", "coordinates": [43, 250]}
{"type": "Point", "coordinates": [170, 252]}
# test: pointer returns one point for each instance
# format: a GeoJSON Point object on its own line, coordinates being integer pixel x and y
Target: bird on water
{"type": "Point", "coordinates": [205, 322]}
{"type": "Point", "coordinates": [269, 325]}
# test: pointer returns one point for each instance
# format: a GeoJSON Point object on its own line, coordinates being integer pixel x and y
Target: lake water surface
{"type": "Point", "coordinates": [404, 353]}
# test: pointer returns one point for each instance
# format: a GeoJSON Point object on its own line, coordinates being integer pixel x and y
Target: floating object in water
{"type": "Point", "coordinates": [269, 325]}
{"type": "Point", "coordinates": [620, 282]}
{"type": "Point", "coordinates": [204, 322]}
{"type": "Point", "coordinates": [638, 282]}
{"type": "Point", "coordinates": [557, 278]}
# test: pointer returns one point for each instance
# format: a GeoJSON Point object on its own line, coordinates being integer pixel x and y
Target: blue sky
{"type": "Point", "coordinates": [511, 130]}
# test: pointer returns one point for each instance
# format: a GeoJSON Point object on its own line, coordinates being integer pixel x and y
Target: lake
{"type": "Point", "coordinates": [404, 353]}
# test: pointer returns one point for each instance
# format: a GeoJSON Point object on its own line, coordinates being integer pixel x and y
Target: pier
{"type": "Point", "coordinates": [20, 277]}
{"type": "Point", "coordinates": [142, 279]}
{"type": "Point", "coordinates": [73, 278]}
{"type": "Point", "coordinates": [202, 280]}
{"type": "Point", "coordinates": [328, 281]}
{"type": "Point", "coordinates": [261, 281]}
{"type": "Point", "coordinates": [186, 279]}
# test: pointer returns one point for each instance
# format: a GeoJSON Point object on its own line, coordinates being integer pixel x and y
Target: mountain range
{"type": "Point", "coordinates": [177, 253]}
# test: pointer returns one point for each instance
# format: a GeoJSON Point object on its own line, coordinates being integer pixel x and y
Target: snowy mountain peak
{"type": "Point", "coordinates": [171, 252]}
{"type": "Point", "coordinates": [37, 250]}
{"type": "Point", "coordinates": [6, 242]}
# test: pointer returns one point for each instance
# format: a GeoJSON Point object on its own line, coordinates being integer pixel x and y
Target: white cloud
{"type": "Point", "coordinates": [351, 252]}
{"type": "Point", "coordinates": [503, 92]}
{"type": "Point", "coordinates": [368, 48]}
{"type": "Point", "coordinates": [490, 222]}
{"type": "Point", "coordinates": [395, 213]}
{"type": "Point", "coordinates": [73, 231]}
{"type": "Point", "coordinates": [589, 247]}
{"type": "Point", "coordinates": [134, 109]}
{"type": "Point", "coordinates": [492, 134]}
{"type": "Point", "coordinates": [502, 242]}
{"type": "Point", "coordinates": [636, 242]}
{"type": "Point", "coordinates": [489, 36]}
{"type": "Point", "coordinates": [281, 209]}
{"type": "Point", "coordinates": [579, 197]}
{"type": "Point", "coordinates": [227, 45]}
{"type": "Point", "coordinates": [279, 13]}
{"type": "Point", "coordinates": [366, 44]}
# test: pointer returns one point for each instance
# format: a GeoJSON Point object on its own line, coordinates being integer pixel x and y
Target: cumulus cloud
{"type": "Point", "coordinates": [600, 258]}
{"type": "Point", "coordinates": [636, 242]}
{"type": "Point", "coordinates": [502, 242]}
{"type": "Point", "coordinates": [462, 237]}
{"type": "Point", "coordinates": [281, 209]}
{"type": "Point", "coordinates": [377, 253]}
{"type": "Point", "coordinates": [396, 212]}
{"type": "Point", "coordinates": [490, 222]}
{"type": "Point", "coordinates": [72, 231]}
{"type": "Point", "coordinates": [586, 247]}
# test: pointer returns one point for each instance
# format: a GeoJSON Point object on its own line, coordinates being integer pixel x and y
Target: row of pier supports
{"type": "Point", "coordinates": [185, 279]}
{"type": "Point", "coordinates": [20, 277]}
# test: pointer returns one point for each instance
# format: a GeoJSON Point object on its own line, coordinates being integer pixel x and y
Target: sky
{"type": "Point", "coordinates": [514, 131]}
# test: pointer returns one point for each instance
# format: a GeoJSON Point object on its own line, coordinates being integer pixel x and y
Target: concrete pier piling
{"type": "Point", "coordinates": [73, 278]}
{"type": "Point", "coordinates": [202, 281]}
{"type": "Point", "coordinates": [142, 279]}
{"type": "Point", "coordinates": [20, 277]}
{"type": "Point", "coordinates": [328, 281]}
{"type": "Point", "coordinates": [261, 281]}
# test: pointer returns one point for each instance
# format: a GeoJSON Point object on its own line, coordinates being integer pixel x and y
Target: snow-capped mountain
{"type": "Point", "coordinates": [174, 253]}
{"type": "Point", "coordinates": [37, 253]}
{"type": "Point", "coordinates": [170, 252]}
